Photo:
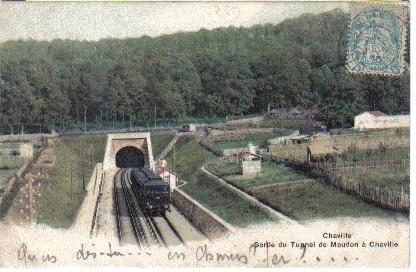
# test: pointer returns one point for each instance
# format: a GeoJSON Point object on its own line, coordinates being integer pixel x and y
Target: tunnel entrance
{"type": "Point", "coordinates": [129, 157]}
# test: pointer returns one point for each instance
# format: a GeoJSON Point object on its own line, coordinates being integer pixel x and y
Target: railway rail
{"type": "Point", "coordinates": [147, 230]}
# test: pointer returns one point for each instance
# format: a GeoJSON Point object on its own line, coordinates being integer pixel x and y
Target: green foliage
{"type": "Point", "coordinates": [9, 164]}
{"type": "Point", "coordinates": [384, 154]}
{"type": "Point", "coordinates": [392, 180]}
{"type": "Point", "coordinates": [225, 71]}
{"type": "Point", "coordinates": [186, 160]}
{"type": "Point", "coordinates": [63, 195]}
{"type": "Point", "coordinates": [316, 201]}
{"type": "Point", "coordinates": [270, 173]}
{"type": "Point", "coordinates": [224, 169]}
{"type": "Point", "coordinates": [187, 157]}
{"type": "Point", "coordinates": [225, 203]}
{"type": "Point", "coordinates": [259, 139]}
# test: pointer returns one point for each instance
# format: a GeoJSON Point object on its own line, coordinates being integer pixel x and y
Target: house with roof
{"type": "Point", "coordinates": [379, 120]}
{"type": "Point", "coordinates": [250, 162]}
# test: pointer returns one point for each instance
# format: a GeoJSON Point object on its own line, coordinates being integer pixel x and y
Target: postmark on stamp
{"type": "Point", "coordinates": [377, 39]}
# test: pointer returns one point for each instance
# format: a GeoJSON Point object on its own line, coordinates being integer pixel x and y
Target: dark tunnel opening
{"type": "Point", "coordinates": [129, 157]}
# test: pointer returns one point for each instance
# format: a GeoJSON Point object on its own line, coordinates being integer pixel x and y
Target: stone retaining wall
{"type": "Point", "coordinates": [204, 220]}
{"type": "Point", "coordinates": [245, 120]}
{"type": "Point", "coordinates": [218, 133]}
{"type": "Point", "coordinates": [24, 137]}
{"type": "Point", "coordinates": [10, 183]}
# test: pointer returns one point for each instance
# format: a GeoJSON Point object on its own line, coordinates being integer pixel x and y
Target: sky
{"type": "Point", "coordinates": [97, 20]}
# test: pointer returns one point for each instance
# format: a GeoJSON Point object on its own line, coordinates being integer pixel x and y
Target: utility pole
{"type": "Point", "coordinates": [83, 163]}
{"type": "Point", "coordinates": [83, 173]}
{"type": "Point", "coordinates": [30, 198]}
{"type": "Point", "coordinates": [174, 157]}
{"type": "Point", "coordinates": [155, 117]}
{"type": "Point", "coordinates": [71, 175]}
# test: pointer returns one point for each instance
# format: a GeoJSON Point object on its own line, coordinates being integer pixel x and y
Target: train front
{"type": "Point", "coordinates": [157, 199]}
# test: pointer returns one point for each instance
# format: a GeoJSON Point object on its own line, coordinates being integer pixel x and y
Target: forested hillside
{"type": "Point", "coordinates": [226, 71]}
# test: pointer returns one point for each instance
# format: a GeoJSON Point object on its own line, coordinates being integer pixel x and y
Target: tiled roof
{"type": "Point", "coordinates": [376, 113]}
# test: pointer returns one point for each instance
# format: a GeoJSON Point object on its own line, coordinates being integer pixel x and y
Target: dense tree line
{"type": "Point", "coordinates": [226, 71]}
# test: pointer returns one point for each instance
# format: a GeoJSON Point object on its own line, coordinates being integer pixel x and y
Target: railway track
{"type": "Point", "coordinates": [128, 229]}
{"type": "Point", "coordinates": [147, 230]}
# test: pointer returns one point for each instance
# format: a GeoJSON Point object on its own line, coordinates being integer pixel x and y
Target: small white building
{"type": "Point", "coordinates": [26, 151]}
{"type": "Point", "coordinates": [170, 177]}
{"type": "Point", "coordinates": [283, 139]}
{"type": "Point", "coordinates": [250, 162]}
{"type": "Point", "coordinates": [188, 128]}
{"type": "Point", "coordinates": [377, 119]}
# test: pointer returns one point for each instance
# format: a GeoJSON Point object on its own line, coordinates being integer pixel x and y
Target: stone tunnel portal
{"type": "Point", "coordinates": [130, 157]}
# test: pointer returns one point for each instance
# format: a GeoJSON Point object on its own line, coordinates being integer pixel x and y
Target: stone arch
{"type": "Point", "coordinates": [116, 142]}
{"type": "Point", "coordinates": [130, 157]}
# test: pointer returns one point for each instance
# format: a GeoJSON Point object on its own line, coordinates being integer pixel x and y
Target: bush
{"type": "Point", "coordinates": [15, 153]}
{"type": "Point", "coordinates": [382, 148]}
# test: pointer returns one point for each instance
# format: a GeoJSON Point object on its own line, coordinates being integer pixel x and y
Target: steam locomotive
{"type": "Point", "coordinates": [152, 192]}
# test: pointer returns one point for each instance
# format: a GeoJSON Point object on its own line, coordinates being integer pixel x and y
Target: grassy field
{"type": "Point", "coordinates": [259, 139]}
{"type": "Point", "coordinates": [187, 159]}
{"type": "Point", "coordinates": [160, 140]}
{"type": "Point", "coordinates": [225, 203]}
{"type": "Point", "coordinates": [300, 201]}
{"type": "Point", "coordinates": [393, 181]}
{"type": "Point", "coordinates": [270, 173]}
{"type": "Point", "coordinates": [402, 152]}
{"type": "Point", "coordinates": [62, 196]}
{"type": "Point", "coordinates": [315, 200]}
{"type": "Point", "coordinates": [286, 123]}
{"type": "Point", "coordinates": [224, 169]}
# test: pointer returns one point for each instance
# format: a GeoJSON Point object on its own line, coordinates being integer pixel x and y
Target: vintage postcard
{"type": "Point", "coordinates": [205, 134]}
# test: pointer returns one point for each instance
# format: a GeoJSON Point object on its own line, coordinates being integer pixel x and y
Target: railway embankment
{"type": "Point", "coordinates": [85, 221]}
{"type": "Point", "coordinates": [204, 220]}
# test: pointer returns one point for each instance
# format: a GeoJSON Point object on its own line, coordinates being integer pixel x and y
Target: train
{"type": "Point", "coordinates": [151, 191]}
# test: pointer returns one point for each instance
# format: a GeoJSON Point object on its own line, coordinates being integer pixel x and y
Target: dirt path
{"type": "Point", "coordinates": [106, 222]}
{"type": "Point", "coordinates": [39, 174]}
{"type": "Point", "coordinates": [277, 184]}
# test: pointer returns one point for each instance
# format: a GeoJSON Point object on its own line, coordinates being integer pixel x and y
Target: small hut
{"type": "Point", "coordinates": [188, 128]}
{"type": "Point", "coordinates": [299, 139]}
{"type": "Point", "coordinates": [318, 152]}
{"type": "Point", "coordinates": [26, 151]}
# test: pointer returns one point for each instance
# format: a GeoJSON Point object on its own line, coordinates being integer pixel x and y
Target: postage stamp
{"type": "Point", "coordinates": [203, 134]}
{"type": "Point", "coordinates": [377, 38]}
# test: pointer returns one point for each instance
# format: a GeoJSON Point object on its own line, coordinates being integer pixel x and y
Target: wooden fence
{"type": "Point", "coordinates": [381, 166]}
{"type": "Point", "coordinates": [376, 194]}
{"type": "Point", "coordinates": [384, 197]}
{"type": "Point", "coordinates": [289, 152]}
{"type": "Point", "coordinates": [342, 142]}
